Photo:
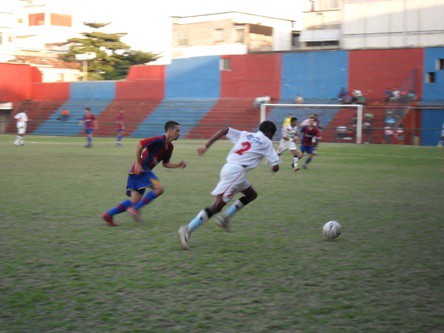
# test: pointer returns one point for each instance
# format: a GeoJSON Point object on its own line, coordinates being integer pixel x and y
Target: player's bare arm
{"type": "Point", "coordinates": [138, 165]}
{"type": "Point", "coordinates": [169, 165]}
{"type": "Point", "coordinates": [216, 136]}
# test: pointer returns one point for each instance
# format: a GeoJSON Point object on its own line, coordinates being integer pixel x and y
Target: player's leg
{"type": "Point", "coordinates": [310, 156]}
{"type": "Point", "coordinates": [145, 180]}
{"type": "Point", "coordinates": [223, 220]}
{"type": "Point", "coordinates": [203, 216]}
{"type": "Point", "coordinates": [295, 159]}
{"type": "Point", "coordinates": [135, 197]}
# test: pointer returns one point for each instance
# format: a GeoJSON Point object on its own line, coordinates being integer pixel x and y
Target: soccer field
{"type": "Point", "coordinates": [64, 270]}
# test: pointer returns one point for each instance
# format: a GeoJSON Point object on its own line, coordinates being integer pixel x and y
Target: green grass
{"type": "Point", "coordinates": [63, 270]}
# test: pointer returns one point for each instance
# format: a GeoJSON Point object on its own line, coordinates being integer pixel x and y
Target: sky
{"type": "Point", "coordinates": [147, 22]}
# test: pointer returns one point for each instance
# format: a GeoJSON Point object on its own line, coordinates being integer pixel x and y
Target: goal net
{"type": "Point", "coordinates": [339, 122]}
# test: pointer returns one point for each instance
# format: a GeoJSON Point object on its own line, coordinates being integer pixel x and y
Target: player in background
{"type": "Point", "coordinates": [120, 127]}
{"type": "Point", "coordinates": [149, 153]}
{"type": "Point", "coordinates": [22, 122]}
{"type": "Point", "coordinates": [287, 120]}
{"type": "Point", "coordinates": [289, 140]}
{"type": "Point", "coordinates": [248, 151]}
{"type": "Point", "coordinates": [316, 123]}
{"type": "Point", "coordinates": [90, 123]}
{"type": "Point", "coordinates": [308, 133]}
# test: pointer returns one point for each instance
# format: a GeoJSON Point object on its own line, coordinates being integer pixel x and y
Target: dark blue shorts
{"type": "Point", "coordinates": [308, 149]}
{"type": "Point", "coordinates": [140, 182]}
{"type": "Point", "coordinates": [89, 131]}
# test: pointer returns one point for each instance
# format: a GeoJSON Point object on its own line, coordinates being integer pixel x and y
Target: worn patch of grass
{"type": "Point", "coordinates": [63, 270]}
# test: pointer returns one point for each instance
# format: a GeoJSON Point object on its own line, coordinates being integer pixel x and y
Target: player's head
{"type": "Point", "coordinates": [268, 128]}
{"type": "Point", "coordinates": [87, 110]}
{"type": "Point", "coordinates": [172, 128]}
{"type": "Point", "coordinates": [293, 121]}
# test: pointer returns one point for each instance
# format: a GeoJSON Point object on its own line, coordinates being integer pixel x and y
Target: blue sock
{"type": "Point", "coordinates": [308, 160]}
{"type": "Point", "coordinates": [234, 208]}
{"type": "Point", "coordinates": [147, 198]}
{"type": "Point", "coordinates": [198, 220]}
{"type": "Point", "coordinates": [89, 140]}
{"type": "Point", "coordinates": [119, 138]}
{"type": "Point", "coordinates": [121, 207]}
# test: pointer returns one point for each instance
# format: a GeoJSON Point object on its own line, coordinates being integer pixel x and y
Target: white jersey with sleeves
{"type": "Point", "coordinates": [22, 118]}
{"type": "Point", "coordinates": [250, 148]}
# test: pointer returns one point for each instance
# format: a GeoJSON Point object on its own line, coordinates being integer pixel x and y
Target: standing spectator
{"type": "Point", "coordinates": [441, 138]}
{"type": "Point", "coordinates": [90, 124]}
{"type": "Point", "coordinates": [248, 151]}
{"type": "Point", "coordinates": [22, 122]}
{"type": "Point", "coordinates": [388, 94]}
{"type": "Point", "coordinates": [399, 133]}
{"type": "Point", "coordinates": [367, 128]}
{"type": "Point", "coordinates": [388, 134]}
{"type": "Point", "coordinates": [342, 94]}
{"type": "Point", "coordinates": [120, 127]}
{"type": "Point", "coordinates": [149, 153]}
{"type": "Point", "coordinates": [289, 140]}
{"type": "Point", "coordinates": [309, 132]}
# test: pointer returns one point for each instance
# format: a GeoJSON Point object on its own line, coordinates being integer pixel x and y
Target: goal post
{"type": "Point", "coordinates": [316, 109]}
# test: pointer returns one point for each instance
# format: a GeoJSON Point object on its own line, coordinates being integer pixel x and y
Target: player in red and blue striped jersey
{"type": "Point", "coordinates": [149, 153]}
{"type": "Point", "coordinates": [120, 127]}
{"type": "Point", "coordinates": [90, 123]}
{"type": "Point", "coordinates": [309, 133]}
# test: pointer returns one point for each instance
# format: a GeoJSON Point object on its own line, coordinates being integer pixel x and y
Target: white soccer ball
{"type": "Point", "coordinates": [331, 229]}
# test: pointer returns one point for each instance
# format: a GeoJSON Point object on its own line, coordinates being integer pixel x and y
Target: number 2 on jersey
{"type": "Point", "coordinates": [246, 146]}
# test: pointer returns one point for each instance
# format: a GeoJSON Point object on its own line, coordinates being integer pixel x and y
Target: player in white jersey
{"type": "Point", "coordinates": [288, 141]}
{"type": "Point", "coordinates": [22, 120]}
{"type": "Point", "coordinates": [248, 151]}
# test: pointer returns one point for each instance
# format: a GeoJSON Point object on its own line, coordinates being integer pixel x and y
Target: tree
{"type": "Point", "coordinates": [113, 57]}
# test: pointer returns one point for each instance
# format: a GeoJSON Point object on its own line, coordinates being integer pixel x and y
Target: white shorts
{"type": "Point", "coordinates": [21, 129]}
{"type": "Point", "coordinates": [232, 181]}
{"type": "Point", "coordinates": [286, 145]}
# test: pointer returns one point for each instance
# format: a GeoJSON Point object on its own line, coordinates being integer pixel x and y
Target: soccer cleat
{"type": "Point", "coordinates": [184, 237]}
{"type": "Point", "coordinates": [109, 219]}
{"type": "Point", "coordinates": [296, 170]}
{"type": "Point", "coordinates": [119, 144]}
{"type": "Point", "coordinates": [223, 222]}
{"type": "Point", "coordinates": [304, 166]}
{"type": "Point", "coordinates": [134, 214]}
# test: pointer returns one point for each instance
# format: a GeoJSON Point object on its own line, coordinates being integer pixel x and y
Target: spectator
{"type": "Point", "coordinates": [65, 114]}
{"type": "Point", "coordinates": [388, 134]}
{"type": "Point", "coordinates": [367, 128]}
{"type": "Point", "coordinates": [396, 95]}
{"type": "Point", "coordinates": [261, 100]}
{"type": "Point", "coordinates": [342, 94]}
{"type": "Point", "coordinates": [388, 94]}
{"type": "Point", "coordinates": [399, 133]}
{"type": "Point", "coordinates": [298, 99]}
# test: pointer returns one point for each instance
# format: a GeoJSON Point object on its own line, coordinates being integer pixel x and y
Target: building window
{"type": "Point", "coordinates": [36, 19]}
{"type": "Point", "coordinates": [430, 77]}
{"type": "Point", "coordinates": [295, 40]}
{"type": "Point", "coordinates": [61, 20]}
{"type": "Point", "coordinates": [1, 38]}
{"type": "Point", "coordinates": [323, 43]}
{"type": "Point", "coordinates": [439, 64]}
{"type": "Point", "coordinates": [182, 38]}
{"type": "Point", "coordinates": [240, 35]}
{"type": "Point", "coordinates": [225, 64]}
{"type": "Point", "coordinates": [219, 37]}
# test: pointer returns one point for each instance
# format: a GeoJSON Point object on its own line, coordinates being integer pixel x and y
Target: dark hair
{"type": "Point", "coordinates": [293, 119]}
{"type": "Point", "coordinates": [88, 109]}
{"type": "Point", "coordinates": [170, 124]}
{"type": "Point", "coordinates": [267, 127]}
